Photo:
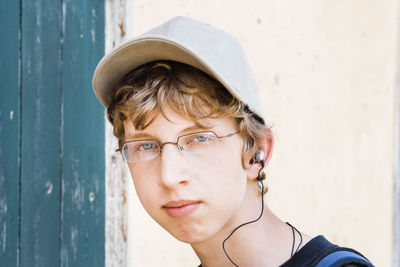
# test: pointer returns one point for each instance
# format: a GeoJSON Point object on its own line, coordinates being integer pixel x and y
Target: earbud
{"type": "Point", "coordinates": [259, 156]}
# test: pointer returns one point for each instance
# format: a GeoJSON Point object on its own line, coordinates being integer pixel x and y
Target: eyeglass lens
{"type": "Point", "coordinates": [142, 150]}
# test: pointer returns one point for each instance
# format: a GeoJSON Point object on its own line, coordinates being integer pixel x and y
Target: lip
{"type": "Point", "coordinates": [181, 208]}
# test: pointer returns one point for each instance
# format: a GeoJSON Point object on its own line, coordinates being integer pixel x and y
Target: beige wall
{"type": "Point", "coordinates": [326, 70]}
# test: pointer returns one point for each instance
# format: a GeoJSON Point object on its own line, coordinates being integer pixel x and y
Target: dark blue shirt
{"type": "Point", "coordinates": [316, 249]}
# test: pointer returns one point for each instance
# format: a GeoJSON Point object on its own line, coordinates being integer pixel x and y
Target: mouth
{"type": "Point", "coordinates": [181, 208]}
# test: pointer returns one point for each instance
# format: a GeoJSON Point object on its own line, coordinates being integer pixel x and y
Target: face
{"type": "Point", "coordinates": [192, 196]}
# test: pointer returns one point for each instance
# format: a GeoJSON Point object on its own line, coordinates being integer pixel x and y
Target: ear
{"type": "Point", "coordinates": [266, 146]}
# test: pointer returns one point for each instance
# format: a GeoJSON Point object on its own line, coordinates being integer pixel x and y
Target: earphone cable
{"type": "Point", "coordinates": [246, 223]}
{"type": "Point", "coordinates": [291, 253]}
{"type": "Point", "coordinates": [301, 238]}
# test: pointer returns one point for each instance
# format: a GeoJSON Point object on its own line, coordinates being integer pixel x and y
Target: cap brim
{"type": "Point", "coordinates": [130, 55]}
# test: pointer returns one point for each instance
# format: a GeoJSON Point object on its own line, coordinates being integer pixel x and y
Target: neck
{"type": "Point", "coordinates": [267, 242]}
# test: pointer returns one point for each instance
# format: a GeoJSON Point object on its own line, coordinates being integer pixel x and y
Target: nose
{"type": "Point", "coordinates": [172, 167]}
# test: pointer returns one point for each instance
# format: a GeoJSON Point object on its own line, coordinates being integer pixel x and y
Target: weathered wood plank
{"type": "Point", "coordinates": [40, 158]}
{"type": "Point", "coordinates": [396, 178]}
{"type": "Point", "coordinates": [116, 178]}
{"type": "Point", "coordinates": [83, 137]}
{"type": "Point", "coordinates": [9, 134]}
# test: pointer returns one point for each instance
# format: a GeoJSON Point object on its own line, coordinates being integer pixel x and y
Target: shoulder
{"type": "Point", "coordinates": [319, 252]}
{"type": "Point", "coordinates": [344, 257]}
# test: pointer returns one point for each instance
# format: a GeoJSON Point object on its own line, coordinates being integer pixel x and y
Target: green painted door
{"type": "Point", "coordinates": [51, 134]}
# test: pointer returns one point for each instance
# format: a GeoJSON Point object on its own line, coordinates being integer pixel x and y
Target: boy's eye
{"type": "Point", "coordinates": [200, 138]}
{"type": "Point", "coordinates": [146, 146]}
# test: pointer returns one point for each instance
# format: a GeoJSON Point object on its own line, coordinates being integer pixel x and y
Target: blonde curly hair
{"type": "Point", "coordinates": [190, 92]}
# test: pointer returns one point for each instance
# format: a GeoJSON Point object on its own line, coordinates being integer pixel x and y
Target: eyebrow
{"type": "Point", "coordinates": [195, 127]}
{"type": "Point", "coordinates": [139, 135]}
{"type": "Point", "coordinates": [143, 135]}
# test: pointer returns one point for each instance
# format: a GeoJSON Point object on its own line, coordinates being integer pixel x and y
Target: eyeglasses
{"type": "Point", "coordinates": [144, 150]}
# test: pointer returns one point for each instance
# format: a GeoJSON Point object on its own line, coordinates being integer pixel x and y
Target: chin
{"type": "Point", "coordinates": [189, 235]}
{"type": "Point", "coordinates": [187, 239]}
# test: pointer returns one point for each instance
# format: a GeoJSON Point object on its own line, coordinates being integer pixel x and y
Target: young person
{"type": "Point", "coordinates": [185, 109]}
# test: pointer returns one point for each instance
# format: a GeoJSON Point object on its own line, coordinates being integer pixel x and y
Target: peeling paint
{"type": "Point", "coordinates": [28, 64]}
{"type": "Point", "coordinates": [3, 206]}
{"type": "Point", "coordinates": [91, 196]}
{"type": "Point", "coordinates": [93, 34]}
{"type": "Point", "coordinates": [96, 183]}
{"type": "Point", "coordinates": [11, 114]}
{"type": "Point", "coordinates": [123, 233]}
{"type": "Point", "coordinates": [64, 257]}
{"type": "Point", "coordinates": [121, 29]}
{"type": "Point", "coordinates": [64, 15]}
{"type": "Point", "coordinates": [82, 26]}
{"type": "Point", "coordinates": [81, 35]}
{"type": "Point", "coordinates": [74, 239]}
{"type": "Point", "coordinates": [3, 203]}
{"type": "Point", "coordinates": [37, 222]}
{"type": "Point", "coordinates": [49, 187]}
{"type": "Point", "coordinates": [78, 193]}
{"type": "Point", "coordinates": [3, 237]}
{"type": "Point", "coordinates": [123, 197]}
{"type": "Point", "coordinates": [38, 12]}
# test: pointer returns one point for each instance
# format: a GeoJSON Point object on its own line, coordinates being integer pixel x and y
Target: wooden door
{"type": "Point", "coordinates": [51, 134]}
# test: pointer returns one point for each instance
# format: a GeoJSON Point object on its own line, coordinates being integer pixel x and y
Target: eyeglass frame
{"type": "Point", "coordinates": [161, 145]}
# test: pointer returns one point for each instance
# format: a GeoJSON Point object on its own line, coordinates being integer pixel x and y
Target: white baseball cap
{"type": "Point", "coordinates": [216, 52]}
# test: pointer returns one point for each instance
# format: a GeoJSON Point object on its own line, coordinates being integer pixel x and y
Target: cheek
{"type": "Point", "coordinates": [144, 187]}
{"type": "Point", "coordinates": [228, 161]}
{"type": "Point", "coordinates": [222, 186]}
{"type": "Point", "coordinates": [220, 173]}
